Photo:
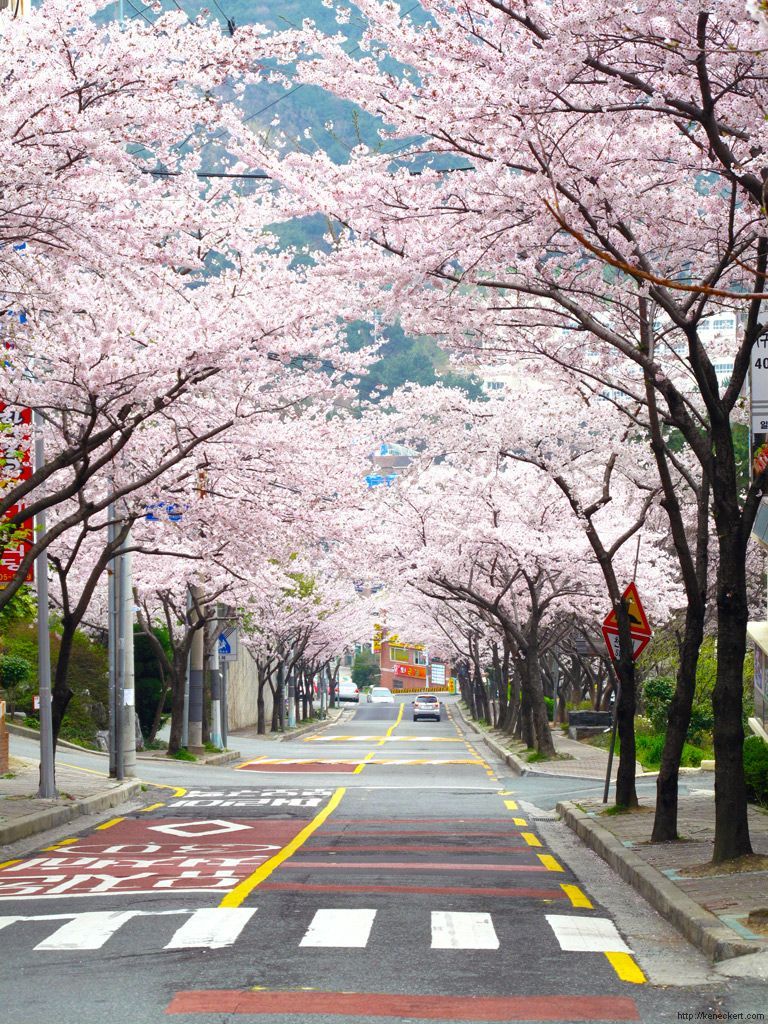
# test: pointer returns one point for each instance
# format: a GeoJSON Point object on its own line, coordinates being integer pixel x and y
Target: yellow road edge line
{"type": "Point", "coordinates": [576, 896]}
{"type": "Point", "coordinates": [549, 862]}
{"type": "Point", "coordinates": [152, 807]}
{"type": "Point", "coordinates": [531, 839]}
{"type": "Point", "coordinates": [520, 821]}
{"type": "Point", "coordinates": [110, 823]}
{"type": "Point", "coordinates": [89, 771]}
{"type": "Point", "coordinates": [58, 846]}
{"type": "Point", "coordinates": [246, 887]}
{"type": "Point", "coordinates": [177, 790]}
{"type": "Point", "coordinates": [9, 863]}
{"type": "Point", "coordinates": [626, 968]}
{"type": "Point", "coordinates": [511, 805]}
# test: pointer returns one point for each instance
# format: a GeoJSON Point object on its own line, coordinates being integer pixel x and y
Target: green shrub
{"type": "Point", "coordinates": [756, 769]}
{"type": "Point", "coordinates": [550, 708]}
{"type": "Point", "coordinates": [657, 694]}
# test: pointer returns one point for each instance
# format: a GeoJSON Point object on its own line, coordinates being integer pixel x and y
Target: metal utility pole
{"type": "Point", "coordinates": [196, 667]}
{"type": "Point", "coordinates": [112, 570]}
{"type": "Point", "coordinates": [224, 708]}
{"type": "Point", "coordinates": [128, 706]}
{"type": "Point", "coordinates": [215, 678]}
{"type": "Point", "coordinates": [47, 788]}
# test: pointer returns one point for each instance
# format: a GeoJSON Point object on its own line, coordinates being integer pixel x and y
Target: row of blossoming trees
{"type": "Point", "coordinates": [178, 362]}
{"type": "Point", "coordinates": [581, 187]}
{"type": "Point", "coordinates": [571, 192]}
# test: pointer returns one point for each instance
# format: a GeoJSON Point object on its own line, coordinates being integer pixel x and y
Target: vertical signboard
{"type": "Point", "coordinates": [761, 709]}
{"type": "Point", "coordinates": [758, 406]}
{"type": "Point", "coordinates": [15, 466]}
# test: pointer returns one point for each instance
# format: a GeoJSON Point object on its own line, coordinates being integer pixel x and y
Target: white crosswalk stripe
{"type": "Point", "coordinates": [342, 929]}
{"type": "Point", "coordinates": [87, 931]}
{"type": "Point", "coordinates": [458, 930]}
{"type": "Point", "coordinates": [211, 928]}
{"type": "Point", "coordinates": [586, 934]}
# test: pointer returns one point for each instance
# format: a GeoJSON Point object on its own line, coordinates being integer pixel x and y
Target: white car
{"type": "Point", "coordinates": [380, 695]}
{"type": "Point", "coordinates": [426, 705]}
{"type": "Point", "coordinates": [348, 691]}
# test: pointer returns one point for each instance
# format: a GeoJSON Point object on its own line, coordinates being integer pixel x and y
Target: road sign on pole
{"type": "Point", "coordinates": [639, 627]}
{"type": "Point", "coordinates": [228, 644]}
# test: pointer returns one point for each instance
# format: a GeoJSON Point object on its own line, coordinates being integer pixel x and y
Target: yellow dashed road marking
{"type": "Point", "coordinates": [8, 863]}
{"type": "Point", "coordinates": [520, 821]}
{"type": "Point", "coordinates": [110, 823]}
{"type": "Point", "coordinates": [626, 968]}
{"type": "Point", "coordinates": [152, 807]}
{"type": "Point", "coordinates": [576, 896]}
{"type": "Point", "coordinates": [531, 839]}
{"type": "Point", "coordinates": [58, 846]}
{"type": "Point", "coordinates": [511, 805]}
{"type": "Point", "coordinates": [549, 862]}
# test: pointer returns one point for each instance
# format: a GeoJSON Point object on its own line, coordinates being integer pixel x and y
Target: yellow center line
{"type": "Point", "coordinates": [110, 823]}
{"type": "Point", "coordinates": [380, 742]}
{"type": "Point", "coordinates": [576, 896]}
{"type": "Point", "coordinates": [236, 897]}
{"type": "Point", "coordinates": [626, 968]}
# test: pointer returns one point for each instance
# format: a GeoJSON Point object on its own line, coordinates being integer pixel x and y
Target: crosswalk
{"type": "Point", "coordinates": [329, 928]}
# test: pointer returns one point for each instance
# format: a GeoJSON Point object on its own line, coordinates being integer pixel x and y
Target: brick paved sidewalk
{"type": "Point", "coordinates": [712, 909]}
{"type": "Point", "coordinates": [22, 813]}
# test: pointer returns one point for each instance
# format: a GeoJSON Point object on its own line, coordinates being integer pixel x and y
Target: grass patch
{"type": "Point", "coordinates": [183, 755]}
{"type": "Point", "coordinates": [649, 747]}
{"type": "Point", "coordinates": [9, 775]}
{"type": "Point", "coordinates": [211, 748]}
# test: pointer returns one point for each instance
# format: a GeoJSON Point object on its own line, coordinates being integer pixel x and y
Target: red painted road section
{"type": "Point", "coordinates": [341, 865]}
{"type": "Point", "coordinates": [151, 855]}
{"type": "Point", "coordinates": [371, 1004]}
{"type": "Point", "coordinates": [429, 890]}
{"type": "Point", "coordinates": [359, 848]}
{"type": "Point", "coordinates": [307, 767]}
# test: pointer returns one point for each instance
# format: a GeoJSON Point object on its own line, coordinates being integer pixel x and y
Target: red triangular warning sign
{"type": "Point", "coordinates": [638, 620]}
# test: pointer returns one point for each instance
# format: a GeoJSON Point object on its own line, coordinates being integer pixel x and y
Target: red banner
{"type": "Point", "coordinates": [414, 671]}
{"type": "Point", "coordinates": [15, 466]}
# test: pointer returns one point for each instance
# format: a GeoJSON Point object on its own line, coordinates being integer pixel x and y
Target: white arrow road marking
{"type": "Point", "coordinates": [586, 934]}
{"type": "Point", "coordinates": [458, 930]}
{"type": "Point", "coordinates": [341, 928]}
{"type": "Point", "coordinates": [212, 928]}
{"type": "Point", "coordinates": [87, 931]}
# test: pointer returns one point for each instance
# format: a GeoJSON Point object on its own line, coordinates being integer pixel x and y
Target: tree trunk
{"type": "Point", "coordinates": [178, 678]}
{"type": "Point", "coordinates": [731, 824]}
{"type": "Point", "coordinates": [626, 791]}
{"type": "Point", "coordinates": [61, 693]}
{"type": "Point", "coordinates": [538, 709]}
{"type": "Point", "coordinates": [158, 714]}
{"type": "Point", "coordinates": [678, 720]}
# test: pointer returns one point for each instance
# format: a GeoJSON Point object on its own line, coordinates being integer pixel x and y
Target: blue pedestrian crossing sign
{"type": "Point", "coordinates": [224, 646]}
{"type": "Point", "coordinates": [228, 644]}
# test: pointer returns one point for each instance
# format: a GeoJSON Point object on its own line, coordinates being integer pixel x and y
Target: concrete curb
{"type": "Point", "coordinates": [211, 759]}
{"type": "Point", "coordinates": [702, 928]}
{"type": "Point", "coordinates": [34, 734]}
{"type": "Point", "coordinates": [52, 817]}
{"type": "Point", "coordinates": [514, 762]}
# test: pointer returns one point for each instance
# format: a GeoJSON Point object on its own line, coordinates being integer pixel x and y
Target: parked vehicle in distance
{"type": "Point", "coordinates": [426, 705]}
{"type": "Point", "coordinates": [348, 691]}
{"type": "Point", "coordinates": [380, 695]}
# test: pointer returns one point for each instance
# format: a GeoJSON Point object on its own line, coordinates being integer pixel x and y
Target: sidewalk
{"type": "Point", "coordinates": [22, 814]}
{"type": "Point", "coordinates": [723, 911]}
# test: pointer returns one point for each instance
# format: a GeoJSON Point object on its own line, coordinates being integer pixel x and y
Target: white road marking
{"type": "Point", "coordinates": [340, 928]}
{"type": "Point", "coordinates": [586, 934]}
{"type": "Point", "coordinates": [458, 930]}
{"type": "Point", "coordinates": [87, 931]}
{"type": "Point", "coordinates": [212, 928]}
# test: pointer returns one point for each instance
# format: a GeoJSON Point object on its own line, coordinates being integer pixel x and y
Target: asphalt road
{"type": "Point", "coordinates": [379, 870]}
